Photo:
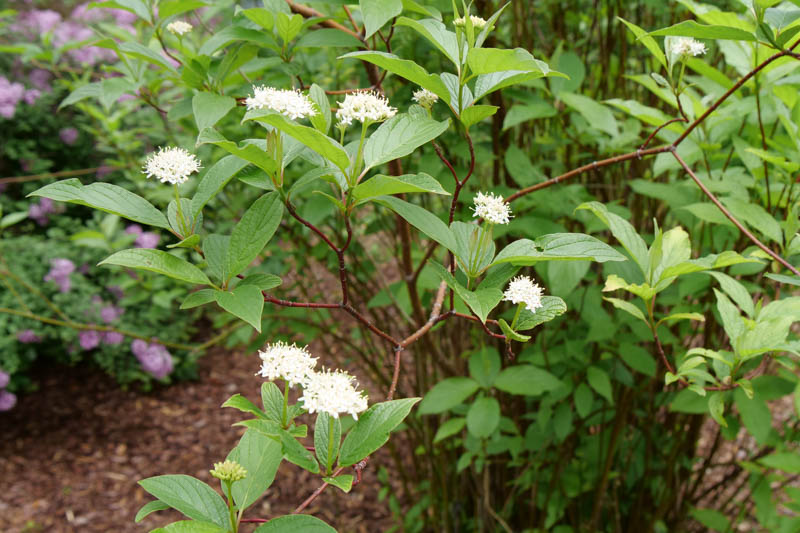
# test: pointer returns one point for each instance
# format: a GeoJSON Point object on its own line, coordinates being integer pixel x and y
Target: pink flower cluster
{"type": "Point", "coordinates": [154, 358]}
{"type": "Point", "coordinates": [39, 211]}
{"type": "Point", "coordinates": [144, 239]}
{"type": "Point", "coordinates": [60, 269]}
{"type": "Point", "coordinates": [7, 399]}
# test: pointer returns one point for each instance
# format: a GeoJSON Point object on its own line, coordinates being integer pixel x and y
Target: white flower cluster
{"type": "Point", "coordinates": [522, 289]}
{"type": "Point", "coordinates": [288, 362]}
{"type": "Point", "coordinates": [333, 392]}
{"type": "Point", "coordinates": [364, 106]}
{"type": "Point", "coordinates": [179, 27]}
{"type": "Point", "coordinates": [326, 391]}
{"type": "Point", "coordinates": [171, 165]}
{"type": "Point", "coordinates": [289, 103]}
{"type": "Point", "coordinates": [492, 208]}
{"type": "Point", "coordinates": [425, 98]}
{"type": "Point", "coordinates": [477, 22]}
{"type": "Point", "coordinates": [686, 46]}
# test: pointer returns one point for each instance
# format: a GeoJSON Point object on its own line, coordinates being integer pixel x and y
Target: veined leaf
{"type": "Point", "coordinates": [159, 262]}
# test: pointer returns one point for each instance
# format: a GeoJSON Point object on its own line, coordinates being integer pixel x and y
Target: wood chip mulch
{"type": "Point", "coordinates": [71, 453]}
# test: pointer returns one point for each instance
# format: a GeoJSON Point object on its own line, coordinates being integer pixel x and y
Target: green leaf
{"type": "Point", "coordinates": [788, 462]}
{"type": "Point", "coordinates": [447, 394]}
{"type": "Point", "coordinates": [288, 26]}
{"type": "Point", "coordinates": [189, 496]}
{"type": "Point", "coordinates": [626, 306]}
{"type": "Point", "coordinates": [191, 526]}
{"type": "Point", "coordinates": [296, 453]}
{"type": "Point", "coordinates": [189, 242]}
{"type": "Point", "coordinates": [623, 232]}
{"type": "Point", "coordinates": [321, 435]}
{"type": "Point", "coordinates": [583, 400]}
{"type": "Point", "coordinates": [209, 108]}
{"type": "Point", "coordinates": [510, 333]}
{"type": "Point", "coordinates": [690, 28]}
{"type": "Point", "coordinates": [526, 380]}
{"type": "Point", "coordinates": [90, 90]}
{"type": "Point", "coordinates": [105, 197]}
{"type": "Point", "coordinates": [483, 417]}
{"type": "Point", "coordinates": [376, 13]}
{"type": "Point", "coordinates": [249, 152]}
{"type": "Point", "coordinates": [245, 302]}
{"type": "Point", "coordinates": [264, 282]}
{"type": "Point", "coordinates": [139, 51]}
{"type": "Point", "coordinates": [756, 217]}
{"type": "Point", "coordinates": [789, 280]}
{"type": "Point", "coordinates": [261, 16]}
{"type": "Point", "coordinates": [343, 482]}
{"type": "Point", "coordinates": [647, 40]}
{"type": "Point", "coordinates": [735, 290]}
{"type": "Point", "coordinates": [380, 185]}
{"type": "Point", "coordinates": [552, 306]}
{"type": "Point", "coordinates": [272, 399]}
{"type": "Point", "coordinates": [373, 428]}
{"type": "Point", "coordinates": [731, 319]}
{"type": "Point", "coordinates": [597, 115]}
{"type": "Point", "coordinates": [557, 247]}
{"type": "Point", "coordinates": [711, 519]}
{"type": "Point", "coordinates": [231, 34]}
{"type": "Point", "coordinates": [260, 456]}
{"type": "Point", "coordinates": [475, 113]}
{"type": "Point", "coordinates": [711, 261]}
{"type": "Point", "coordinates": [168, 8]}
{"type": "Point", "coordinates": [237, 401]}
{"type": "Point", "coordinates": [755, 415]}
{"type": "Point", "coordinates": [484, 365]}
{"type": "Point", "coordinates": [215, 250]}
{"type": "Point", "coordinates": [600, 382]}
{"type": "Point", "coordinates": [150, 507]}
{"type": "Point", "coordinates": [449, 428]}
{"type": "Point", "coordinates": [405, 69]}
{"type": "Point", "coordinates": [253, 232]}
{"type": "Point", "coordinates": [295, 523]}
{"type": "Point", "coordinates": [481, 301]}
{"type": "Point", "coordinates": [716, 407]}
{"type": "Point", "coordinates": [198, 298]}
{"type": "Point", "coordinates": [327, 37]}
{"type": "Point", "coordinates": [160, 262]}
{"type": "Point", "coordinates": [399, 136]}
{"type": "Point", "coordinates": [422, 219]}
{"type": "Point", "coordinates": [215, 179]}
{"type": "Point", "coordinates": [488, 60]}
{"type": "Point", "coordinates": [437, 34]}
{"type": "Point", "coordinates": [312, 138]}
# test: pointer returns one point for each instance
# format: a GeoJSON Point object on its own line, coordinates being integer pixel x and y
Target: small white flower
{"type": "Point", "coordinates": [522, 289]}
{"type": "Point", "coordinates": [477, 22]}
{"type": "Point", "coordinates": [179, 27]}
{"type": "Point", "coordinates": [686, 46]}
{"type": "Point", "coordinates": [425, 98]}
{"type": "Point", "coordinates": [289, 103]}
{"type": "Point", "coordinates": [333, 392]}
{"type": "Point", "coordinates": [288, 362]}
{"type": "Point", "coordinates": [492, 208]}
{"type": "Point", "coordinates": [171, 165]}
{"type": "Point", "coordinates": [364, 106]}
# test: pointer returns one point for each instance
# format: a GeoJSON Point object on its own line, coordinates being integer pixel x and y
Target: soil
{"type": "Point", "coordinates": [71, 454]}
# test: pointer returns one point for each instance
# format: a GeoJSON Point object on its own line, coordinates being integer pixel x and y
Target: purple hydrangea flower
{"type": "Point", "coordinates": [39, 212]}
{"type": "Point", "coordinates": [37, 21]}
{"type": "Point", "coordinates": [154, 358]}
{"type": "Point", "coordinates": [147, 239]}
{"type": "Point", "coordinates": [134, 229]}
{"type": "Point", "coordinates": [89, 339]}
{"type": "Point", "coordinates": [7, 400]}
{"type": "Point", "coordinates": [110, 313]}
{"type": "Point", "coordinates": [68, 135]}
{"type": "Point", "coordinates": [113, 338]}
{"type": "Point", "coordinates": [60, 269]}
{"type": "Point", "coordinates": [31, 95]}
{"type": "Point", "coordinates": [10, 96]}
{"type": "Point", "coordinates": [4, 379]}
{"type": "Point", "coordinates": [27, 336]}
{"type": "Point", "coordinates": [116, 291]}
{"type": "Point", "coordinates": [40, 79]}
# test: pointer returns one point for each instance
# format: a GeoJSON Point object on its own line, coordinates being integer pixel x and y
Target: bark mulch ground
{"type": "Point", "coordinates": [71, 454]}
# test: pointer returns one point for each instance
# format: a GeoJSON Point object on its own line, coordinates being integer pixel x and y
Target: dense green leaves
{"type": "Point", "coordinates": [526, 380]}
{"type": "Point", "coordinates": [406, 69]}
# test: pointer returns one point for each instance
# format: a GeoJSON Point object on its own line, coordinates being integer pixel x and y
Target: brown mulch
{"type": "Point", "coordinates": [71, 454]}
